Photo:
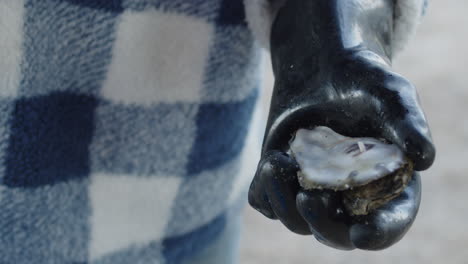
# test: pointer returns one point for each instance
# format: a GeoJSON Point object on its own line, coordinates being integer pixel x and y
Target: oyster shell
{"type": "Point", "coordinates": [368, 171]}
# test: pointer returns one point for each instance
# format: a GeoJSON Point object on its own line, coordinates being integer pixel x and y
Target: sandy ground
{"type": "Point", "coordinates": [435, 62]}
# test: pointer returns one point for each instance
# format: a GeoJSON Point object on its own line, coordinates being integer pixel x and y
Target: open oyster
{"type": "Point", "coordinates": [368, 171]}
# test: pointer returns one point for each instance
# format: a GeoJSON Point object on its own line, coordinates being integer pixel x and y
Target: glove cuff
{"type": "Point", "coordinates": [407, 15]}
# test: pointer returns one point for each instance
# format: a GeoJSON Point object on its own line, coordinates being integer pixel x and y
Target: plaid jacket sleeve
{"type": "Point", "coordinates": [123, 127]}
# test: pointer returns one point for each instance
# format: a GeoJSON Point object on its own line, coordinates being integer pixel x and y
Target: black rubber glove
{"type": "Point", "coordinates": [331, 60]}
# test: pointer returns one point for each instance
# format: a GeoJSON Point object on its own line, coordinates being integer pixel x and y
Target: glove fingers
{"type": "Point", "coordinates": [388, 224]}
{"type": "Point", "coordinates": [324, 212]}
{"type": "Point", "coordinates": [406, 125]}
{"type": "Point", "coordinates": [413, 140]}
{"type": "Point", "coordinates": [258, 197]}
{"type": "Point", "coordinates": [281, 188]}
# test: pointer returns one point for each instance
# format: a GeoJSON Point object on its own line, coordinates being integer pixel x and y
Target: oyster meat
{"type": "Point", "coordinates": [367, 171]}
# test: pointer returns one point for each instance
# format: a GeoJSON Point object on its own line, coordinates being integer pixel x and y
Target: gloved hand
{"type": "Point", "coordinates": [331, 60]}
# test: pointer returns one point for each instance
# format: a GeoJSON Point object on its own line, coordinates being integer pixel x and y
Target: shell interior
{"type": "Point", "coordinates": [332, 161]}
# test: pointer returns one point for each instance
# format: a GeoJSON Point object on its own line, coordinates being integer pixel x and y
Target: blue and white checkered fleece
{"type": "Point", "coordinates": [122, 127]}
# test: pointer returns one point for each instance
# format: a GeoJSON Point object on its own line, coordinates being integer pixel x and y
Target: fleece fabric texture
{"type": "Point", "coordinates": [408, 13]}
{"type": "Point", "coordinates": [123, 128]}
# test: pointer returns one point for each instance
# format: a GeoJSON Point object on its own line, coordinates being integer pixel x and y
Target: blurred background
{"type": "Point", "coordinates": [436, 62]}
